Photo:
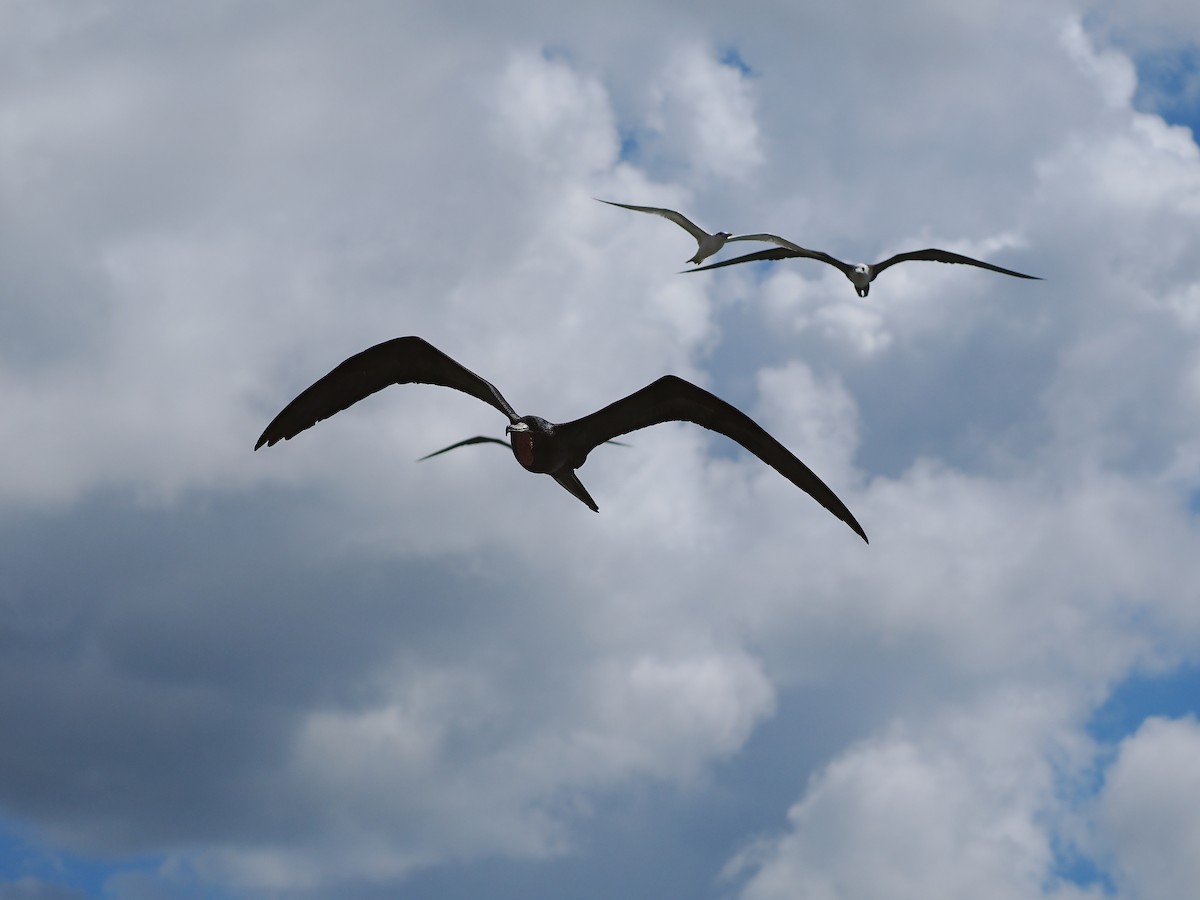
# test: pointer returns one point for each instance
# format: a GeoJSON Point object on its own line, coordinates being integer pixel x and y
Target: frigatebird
{"type": "Point", "coordinates": [708, 244]}
{"type": "Point", "coordinates": [861, 274]}
{"type": "Point", "coordinates": [540, 446]}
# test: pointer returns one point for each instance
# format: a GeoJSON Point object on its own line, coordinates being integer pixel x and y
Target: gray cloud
{"type": "Point", "coordinates": [1146, 817]}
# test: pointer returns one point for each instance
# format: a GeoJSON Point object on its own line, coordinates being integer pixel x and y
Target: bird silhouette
{"type": "Point", "coordinates": [860, 274]}
{"type": "Point", "coordinates": [708, 244]}
{"type": "Point", "coordinates": [540, 446]}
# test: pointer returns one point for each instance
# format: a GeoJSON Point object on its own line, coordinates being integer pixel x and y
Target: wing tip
{"type": "Point", "coordinates": [848, 517]}
{"type": "Point", "coordinates": [270, 438]}
{"type": "Point", "coordinates": [859, 531]}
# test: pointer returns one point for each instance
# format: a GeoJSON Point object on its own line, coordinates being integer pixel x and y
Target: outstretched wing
{"type": "Point", "coordinates": [678, 218]}
{"type": "Point", "coordinates": [945, 256]}
{"type": "Point", "coordinates": [403, 360]}
{"type": "Point", "coordinates": [792, 252]}
{"type": "Point", "coordinates": [671, 399]}
{"type": "Point", "coordinates": [769, 239]}
{"type": "Point", "coordinates": [478, 439]}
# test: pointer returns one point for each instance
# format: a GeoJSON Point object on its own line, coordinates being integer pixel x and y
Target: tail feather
{"type": "Point", "coordinates": [569, 480]}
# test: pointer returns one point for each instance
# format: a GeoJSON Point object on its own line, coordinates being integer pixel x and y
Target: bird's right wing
{"type": "Point", "coordinates": [770, 239]}
{"type": "Point", "coordinates": [790, 252]}
{"type": "Point", "coordinates": [403, 360]}
{"type": "Point", "coordinates": [678, 218]}
{"type": "Point", "coordinates": [478, 439]}
{"type": "Point", "coordinates": [671, 399]}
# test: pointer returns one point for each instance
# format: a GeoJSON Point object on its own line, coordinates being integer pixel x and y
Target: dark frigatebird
{"type": "Point", "coordinates": [861, 275]}
{"type": "Point", "coordinates": [541, 446]}
{"type": "Point", "coordinates": [708, 243]}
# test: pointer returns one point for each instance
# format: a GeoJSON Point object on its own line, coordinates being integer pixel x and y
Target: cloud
{"type": "Point", "coordinates": [951, 807]}
{"type": "Point", "coordinates": [1147, 813]}
{"type": "Point", "coordinates": [704, 110]}
{"type": "Point", "coordinates": [325, 666]}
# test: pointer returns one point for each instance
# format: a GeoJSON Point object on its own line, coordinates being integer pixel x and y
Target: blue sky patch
{"type": "Point", "coordinates": [42, 872]}
{"type": "Point", "coordinates": [1169, 85]}
{"type": "Point", "coordinates": [1173, 695]}
{"type": "Point", "coordinates": [630, 148]}
{"type": "Point", "coordinates": [1070, 865]}
{"type": "Point", "coordinates": [732, 58]}
{"type": "Point", "coordinates": [30, 870]}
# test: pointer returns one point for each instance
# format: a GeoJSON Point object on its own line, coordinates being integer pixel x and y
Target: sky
{"type": "Point", "coordinates": [325, 669]}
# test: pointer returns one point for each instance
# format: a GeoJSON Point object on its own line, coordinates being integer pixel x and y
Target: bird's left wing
{"type": "Point", "coordinates": [671, 399]}
{"type": "Point", "coordinates": [671, 215]}
{"type": "Point", "coordinates": [792, 252]}
{"type": "Point", "coordinates": [773, 253]}
{"type": "Point", "coordinates": [945, 256]}
{"type": "Point", "coordinates": [402, 360]}
{"type": "Point", "coordinates": [478, 439]}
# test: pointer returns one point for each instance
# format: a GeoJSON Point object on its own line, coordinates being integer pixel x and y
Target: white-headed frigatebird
{"type": "Point", "coordinates": [708, 244]}
{"type": "Point", "coordinates": [541, 446]}
{"type": "Point", "coordinates": [861, 274]}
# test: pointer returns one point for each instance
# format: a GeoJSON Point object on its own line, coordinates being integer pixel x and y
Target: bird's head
{"type": "Point", "coordinates": [724, 234]}
{"type": "Point", "coordinates": [862, 279]}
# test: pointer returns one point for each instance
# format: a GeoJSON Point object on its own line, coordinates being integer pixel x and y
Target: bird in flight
{"type": "Point", "coordinates": [861, 275]}
{"type": "Point", "coordinates": [708, 243]}
{"type": "Point", "coordinates": [540, 446]}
